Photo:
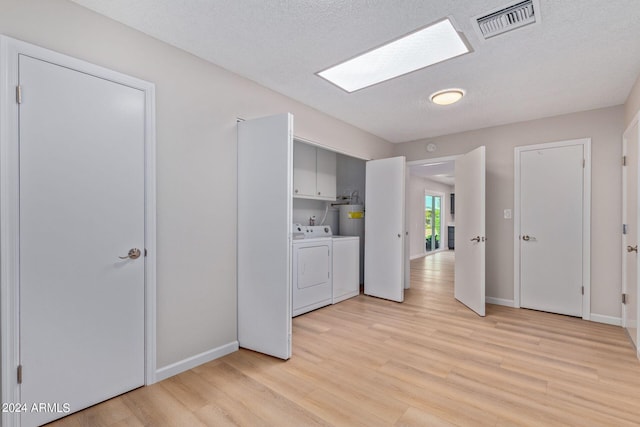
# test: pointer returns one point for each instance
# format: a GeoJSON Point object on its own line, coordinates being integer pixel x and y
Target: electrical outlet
{"type": "Point", "coordinates": [507, 214]}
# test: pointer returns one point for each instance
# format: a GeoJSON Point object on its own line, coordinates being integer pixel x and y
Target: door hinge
{"type": "Point", "coordinates": [145, 251]}
{"type": "Point", "coordinates": [584, 163]}
{"type": "Point", "coordinates": [583, 290]}
{"type": "Point", "coordinates": [624, 228]}
{"type": "Point", "coordinates": [624, 298]}
{"type": "Point", "coordinates": [624, 160]}
{"type": "Point", "coordinates": [19, 374]}
{"type": "Point", "coordinates": [19, 94]}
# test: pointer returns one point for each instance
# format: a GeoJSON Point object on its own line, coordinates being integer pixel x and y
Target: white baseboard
{"type": "Point", "coordinates": [412, 257]}
{"type": "Point", "coordinates": [499, 301]}
{"type": "Point", "coordinates": [609, 320]}
{"type": "Point", "coordinates": [198, 359]}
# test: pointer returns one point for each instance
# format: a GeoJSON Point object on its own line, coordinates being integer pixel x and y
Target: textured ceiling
{"type": "Point", "coordinates": [584, 54]}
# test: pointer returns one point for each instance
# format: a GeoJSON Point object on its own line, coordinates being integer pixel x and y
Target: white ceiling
{"type": "Point", "coordinates": [442, 172]}
{"type": "Point", "coordinates": [584, 54]}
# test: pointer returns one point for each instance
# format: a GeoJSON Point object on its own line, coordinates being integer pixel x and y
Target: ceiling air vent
{"type": "Point", "coordinates": [507, 18]}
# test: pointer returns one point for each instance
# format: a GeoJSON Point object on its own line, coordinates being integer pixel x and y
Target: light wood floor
{"type": "Point", "coordinates": [426, 362]}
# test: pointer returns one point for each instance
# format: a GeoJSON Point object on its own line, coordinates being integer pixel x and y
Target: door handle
{"type": "Point", "coordinates": [526, 238]}
{"type": "Point", "coordinates": [632, 248]}
{"type": "Point", "coordinates": [476, 239]}
{"type": "Point", "coordinates": [133, 254]}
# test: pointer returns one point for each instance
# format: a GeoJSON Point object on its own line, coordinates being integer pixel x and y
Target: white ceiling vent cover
{"type": "Point", "coordinates": [507, 18]}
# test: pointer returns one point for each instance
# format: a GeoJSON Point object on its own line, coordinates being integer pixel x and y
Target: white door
{"type": "Point", "coordinates": [384, 255]}
{"type": "Point", "coordinates": [630, 236]}
{"type": "Point", "coordinates": [551, 218]}
{"type": "Point", "coordinates": [469, 283]}
{"type": "Point", "coordinates": [81, 145]}
{"type": "Point", "coordinates": [265, 154]}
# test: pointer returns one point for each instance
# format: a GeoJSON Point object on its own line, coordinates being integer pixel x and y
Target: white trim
{"type": "Point", "coordinates": [609, 320]}
{"type": "Point", "coordinates": [499, 301]}
{"type": "Point", "coordinates": [434, 160]}
{"type": "Point", "coordinates": [586, 224]}
{"type": "Point", "coordinates": [9, 215]}
{"type": "Point", "coordinates": [9, 202]}
{"type": "Point", "coordinates": [197, 360]}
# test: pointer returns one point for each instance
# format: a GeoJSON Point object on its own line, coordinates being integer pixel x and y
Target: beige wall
{"type": "Point", "coordinates": [632, 106]}
{"type": "Point", "coordinates": [604, 127]}
{"type": "Point", "coordinates": [197, 106]}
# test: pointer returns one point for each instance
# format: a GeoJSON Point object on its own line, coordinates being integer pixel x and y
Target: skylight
{"type": "Point", "coordinates": [435, 43]}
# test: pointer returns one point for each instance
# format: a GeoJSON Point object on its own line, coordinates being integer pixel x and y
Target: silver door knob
{"type": "Point", "coordinates": [526, 238]}
{"type": "Point", "coordinates": [632, 248]}
{"type": "Point", "coordinates": [476, 239]}
{"type": "Point", "coordinates": [133, 254]}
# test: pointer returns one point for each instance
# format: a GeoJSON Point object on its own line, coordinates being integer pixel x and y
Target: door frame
{"type": "Point", "coordinates": [427, 162]}
{"type": "Point", "coordinates": [634, 121]}
{"type": "Point", "coordinates": [586, 225]}
{"type": "Point", "coordinates": [10, 49]}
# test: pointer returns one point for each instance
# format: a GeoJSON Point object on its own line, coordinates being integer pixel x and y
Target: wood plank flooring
{"type": "Point", "coordinates": [427, 362]}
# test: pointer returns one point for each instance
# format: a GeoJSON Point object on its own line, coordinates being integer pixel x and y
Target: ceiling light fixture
{"type": "Point", "coordinates": [419, 49]}
{"type": "Point", "coordinates": [447, 96]}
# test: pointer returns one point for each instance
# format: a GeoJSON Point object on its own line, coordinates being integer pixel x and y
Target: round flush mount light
{"type": "Point", "coordinates": [447, 96]}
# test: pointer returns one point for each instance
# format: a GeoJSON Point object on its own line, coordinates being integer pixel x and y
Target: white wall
{"type": "Point", "coordinates": [632, 106]}
{"type": "Point", "coordinates": [604, 127]}
{"type": "Point", "coordinates": [197, 107]}
{"type": "Point", "coordinates": [415, 198]}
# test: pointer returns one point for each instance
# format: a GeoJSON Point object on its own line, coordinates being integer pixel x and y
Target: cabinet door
{"type": "Point", "coordinates": [304, 170]}
{"type": "Point", "coordinates": [264, 253]}
{"type": "Point", "coordinates": [326, 174]}
{"type": "Point", "coordinates": [384, 230]}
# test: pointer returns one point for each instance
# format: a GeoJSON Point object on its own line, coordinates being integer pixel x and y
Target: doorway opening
{"type": "Point", "coordinates": [432, 222]}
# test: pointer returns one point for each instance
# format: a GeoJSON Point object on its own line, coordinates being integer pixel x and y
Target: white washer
{"type": "Point", "coordinates": [312, 268]}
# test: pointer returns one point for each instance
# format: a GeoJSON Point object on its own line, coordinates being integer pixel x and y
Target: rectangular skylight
{"type": "Point", "coordinates": [435, 43]}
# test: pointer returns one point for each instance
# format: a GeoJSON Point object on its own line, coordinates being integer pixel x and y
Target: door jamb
{"type": "Point", "coordinates": [586, 225]}
{"type": "Point", "coordinates": [10, 49]}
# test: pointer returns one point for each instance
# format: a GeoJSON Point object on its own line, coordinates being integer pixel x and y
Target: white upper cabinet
{"type": "Point", "coordinates": [304, 170]}
{"type": "Point", "coordinates": [326, 174]}
{"type": "Point", "coordinates": [314, 172]}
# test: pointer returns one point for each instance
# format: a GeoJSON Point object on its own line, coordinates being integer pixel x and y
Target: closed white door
{"type": "Point", "coordinates": [630, 236]}
{"type": "Point", "coordinates": [265, 185]}
{"type": "Point", "coordinates": [469, 283]}
{"type": "Point", "coordinates": [551, 222]}
{"type": "Point", "coordinates": [81, 145]}
{"type": "Point", "coordinates": [384, 255]}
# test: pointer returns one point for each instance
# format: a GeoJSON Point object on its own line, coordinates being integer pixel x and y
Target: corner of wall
{"type": "Point", "coordinates": [632, 105]}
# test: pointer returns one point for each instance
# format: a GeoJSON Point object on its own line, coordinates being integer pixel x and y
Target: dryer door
{"type": "Point", "coordinates": [311, 276]}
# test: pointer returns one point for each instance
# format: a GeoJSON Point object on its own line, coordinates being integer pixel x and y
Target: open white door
{"type": "Point", "coordinates": [265, 155]}
{"type": "Point", "coordinates": [384, 232]}
{"type": "Point", "coordinates": [469, 287]}
{"type": "Point", "coordinates": [631, 233]}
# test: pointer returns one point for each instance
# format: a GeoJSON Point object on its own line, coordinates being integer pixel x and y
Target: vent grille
{"type": "Point", "coordinates": [507, 19]}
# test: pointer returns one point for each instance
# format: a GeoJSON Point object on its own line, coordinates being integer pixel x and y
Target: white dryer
{"type": "Point", "coordinates": [312, 268]}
